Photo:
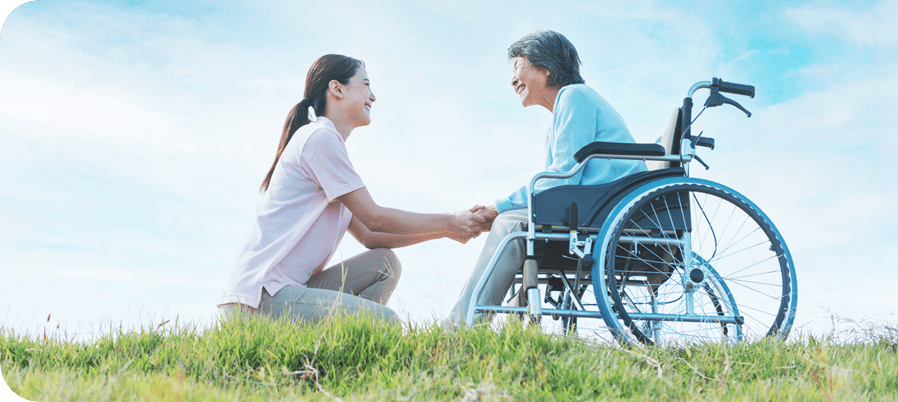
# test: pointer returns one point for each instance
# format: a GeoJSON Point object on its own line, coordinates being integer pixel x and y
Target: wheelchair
{"type": "Point", "coordinates": [659, 257]}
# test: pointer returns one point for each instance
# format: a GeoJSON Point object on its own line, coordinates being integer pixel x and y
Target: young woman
{"type": "Point", "coordinates": [311, 196]}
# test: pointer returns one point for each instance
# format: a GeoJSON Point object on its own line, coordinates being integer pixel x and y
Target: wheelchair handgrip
{"type": "Point", "coordinates": [733, 88]}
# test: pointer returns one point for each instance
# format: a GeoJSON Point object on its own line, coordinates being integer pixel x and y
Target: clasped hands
{"type": "Point", "coordinates": [471, 223]}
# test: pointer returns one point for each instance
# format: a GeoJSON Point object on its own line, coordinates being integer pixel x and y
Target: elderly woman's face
{"type": "Point", "coordinates": [528, 81]}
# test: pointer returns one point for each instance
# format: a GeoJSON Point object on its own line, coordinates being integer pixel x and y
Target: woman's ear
{"type": "Point", "coordinates": [335, 88]}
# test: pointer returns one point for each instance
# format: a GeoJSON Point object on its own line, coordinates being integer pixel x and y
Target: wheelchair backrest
{"type": "Point", "coordinates": [670, 141]}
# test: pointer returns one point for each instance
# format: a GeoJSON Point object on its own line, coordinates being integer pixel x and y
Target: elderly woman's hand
{"type": "Point", "coordinates": [488, 212]}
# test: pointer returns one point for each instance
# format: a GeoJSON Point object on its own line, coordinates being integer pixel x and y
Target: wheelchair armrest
{"type": "Point", "coordinates": [618, 148]}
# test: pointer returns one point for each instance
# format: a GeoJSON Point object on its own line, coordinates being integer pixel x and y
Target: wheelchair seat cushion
{"type": "Point", "coordinates": [594, 202]}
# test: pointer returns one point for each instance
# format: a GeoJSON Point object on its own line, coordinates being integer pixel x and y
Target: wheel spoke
{"type": "Point", "coordinates": [753, 265]}
{"type": "Point", "coordinates": [729, 240]}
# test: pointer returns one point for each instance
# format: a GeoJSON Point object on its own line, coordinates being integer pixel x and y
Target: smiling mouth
{"type": "Point", "coordinates": [519, 89]}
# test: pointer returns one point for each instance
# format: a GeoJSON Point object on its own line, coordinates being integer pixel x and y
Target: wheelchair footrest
{"type": "Point", "coordinates": [547, 311]}
{"type": "Point", "coordinates": [688, 318]}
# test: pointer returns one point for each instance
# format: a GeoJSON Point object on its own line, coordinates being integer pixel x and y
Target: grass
{"type": "Point", "coordinates": [355, 359]}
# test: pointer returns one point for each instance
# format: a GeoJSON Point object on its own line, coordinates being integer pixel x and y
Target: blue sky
{"type": "Point", "coordinates": [135, 135]}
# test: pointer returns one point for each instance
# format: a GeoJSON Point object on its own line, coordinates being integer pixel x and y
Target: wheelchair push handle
{"type": "Point", "coordinates": [734, 88]}
{"type": "Point", "coordinates": [717, 86]}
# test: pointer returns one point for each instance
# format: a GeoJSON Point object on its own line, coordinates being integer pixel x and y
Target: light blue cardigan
{"type": "Point", "coordinates": [581, 116]}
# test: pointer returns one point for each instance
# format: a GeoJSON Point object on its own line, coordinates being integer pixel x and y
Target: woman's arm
{"type": "Point", "coordinates": [394, 221]}
{"type": "Point", "coordinates": [371, 239]}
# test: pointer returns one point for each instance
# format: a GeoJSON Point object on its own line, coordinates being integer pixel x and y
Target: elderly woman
{"type": "Point", "coordinates": [546, 72]}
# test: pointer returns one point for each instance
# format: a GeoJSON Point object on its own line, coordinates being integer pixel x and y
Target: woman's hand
{"type": "Point", "coordinates": [463, 239]}
{"type": "Point", "coordinates": [488, 212]}
{"type": "Point", "coordinates": [467, 223]}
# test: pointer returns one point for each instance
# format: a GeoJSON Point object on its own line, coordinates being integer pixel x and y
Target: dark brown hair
{"type": "Point", "coordinates": [326, 69]}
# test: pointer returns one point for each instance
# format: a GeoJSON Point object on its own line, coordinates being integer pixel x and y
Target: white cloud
{"type": "Point", "coordinates": [872, 27]}
{"type": "Point", "coordinates": [67, 108]}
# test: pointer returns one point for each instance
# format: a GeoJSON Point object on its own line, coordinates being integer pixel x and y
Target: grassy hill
{"type": "Point", "coordinates": [357, 360]}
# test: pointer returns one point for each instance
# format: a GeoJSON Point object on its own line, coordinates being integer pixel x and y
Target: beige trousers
{"type": "Point", "coordinates": [507, 266]}
{"type": "Point", "coordinates": [359, 285]}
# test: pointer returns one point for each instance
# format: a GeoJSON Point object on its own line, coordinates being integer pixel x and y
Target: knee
{"type": "Point", "coordinates": [391, 264]}
{"type": "Point", "coordinates": [504, 219]}
{"type": "Point", "coordinates": [509, 221]}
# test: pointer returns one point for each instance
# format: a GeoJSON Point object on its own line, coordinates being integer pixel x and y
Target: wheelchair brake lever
{"type": "Point", "coordinates": [736, 104]}
{"type": "Point", "coordinates": [701, 161]}
{"type": "Point", "coordinates": [716, 99]}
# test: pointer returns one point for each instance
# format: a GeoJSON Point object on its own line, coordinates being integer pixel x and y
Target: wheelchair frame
{"type": "Point", "coordinates": [627, 322]}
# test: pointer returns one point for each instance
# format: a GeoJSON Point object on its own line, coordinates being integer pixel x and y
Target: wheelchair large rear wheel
{"type": "Point", "coordinates": [690, 261]}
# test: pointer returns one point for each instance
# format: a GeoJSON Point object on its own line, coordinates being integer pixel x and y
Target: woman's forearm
{"type": "Point", "coordinates": [389, 240]}
{"type": "Point", "coordinates": [399, 222]}
{"type": "Point", "coordinates": [371, 239]}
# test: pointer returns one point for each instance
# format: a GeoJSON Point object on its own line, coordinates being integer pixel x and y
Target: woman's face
{"type": "Point", "coordinates": [528, 81]}
{"type": "Point", "coordinates": [359, 98]}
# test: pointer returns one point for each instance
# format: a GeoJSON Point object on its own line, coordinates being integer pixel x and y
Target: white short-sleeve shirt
{"type": "Point", "coordinates": [299, 221]}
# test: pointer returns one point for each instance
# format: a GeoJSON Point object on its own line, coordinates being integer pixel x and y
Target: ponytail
{"type": "Point", "coordinates": [298, 117]}
{"type": "Point", "coordinates": [326, 69]}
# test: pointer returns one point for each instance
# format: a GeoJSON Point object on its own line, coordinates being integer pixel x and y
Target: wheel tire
{"type": "Point", "coordinates": [742, 266]}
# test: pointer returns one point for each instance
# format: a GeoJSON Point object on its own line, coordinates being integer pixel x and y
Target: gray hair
{"type": "Point", "coordinates": [552, 51]}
